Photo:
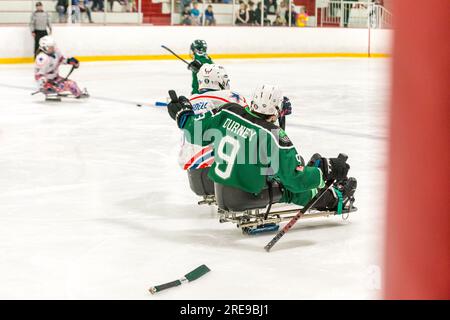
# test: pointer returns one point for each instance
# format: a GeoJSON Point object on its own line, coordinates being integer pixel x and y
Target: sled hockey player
{"type": "Point", "coordinates": [214, 88]}
{"type": "Point", "coordinates": [252, 152]}
{"type": "Point", "coordinates": [47, 75]}
{"type": "Point", "coordinates": [214, 91]}
{"type": "Point", "coordinates": [200, 57]}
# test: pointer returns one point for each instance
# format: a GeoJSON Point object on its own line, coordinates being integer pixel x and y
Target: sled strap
{"type": "Point", "coordinates": [269, 183]}
{"type": "Point", "coordinates": [340, 201]}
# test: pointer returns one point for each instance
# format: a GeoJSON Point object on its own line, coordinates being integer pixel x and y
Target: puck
{"type": "Point", "coordinates": [139, 105]}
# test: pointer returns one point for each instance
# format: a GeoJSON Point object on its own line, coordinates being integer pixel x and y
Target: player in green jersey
{"type": "Point", "coordinates": [251, 150]}
{"type": "Point", "coordinates": [198, 53]}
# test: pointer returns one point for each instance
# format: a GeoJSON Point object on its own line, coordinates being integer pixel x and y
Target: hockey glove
{"type": "Point", "coordinates": [194, 66]}
{"type": "Point", "coordinates": [286, 107]}
{"type": "Point", "coordinates": [74, 62]}
{"type": "Point", "coordinates": [332, 168]}
{"type": "Point", "coordinates": [179, 110]}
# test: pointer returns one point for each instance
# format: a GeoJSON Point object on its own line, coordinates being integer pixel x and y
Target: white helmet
{"type": "Point", "coordinates": [213, 76]}
{"type": "Point", "coordinates": [266, 99]}
{"type": "Point", "coordinates": [46, 42]}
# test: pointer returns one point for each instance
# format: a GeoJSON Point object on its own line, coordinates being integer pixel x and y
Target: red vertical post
{"type": "Point", "coordinates": [418, 210]}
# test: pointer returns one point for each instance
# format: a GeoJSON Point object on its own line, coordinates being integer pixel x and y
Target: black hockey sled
{"type": "Point", "coordinates": [253, 213]}
{"type": "Point", "coordinates": [258, 213]}
{"type": "Point", "coordinates": [202, 186]}
{"type": "Point", "coordinates": [57, 96]}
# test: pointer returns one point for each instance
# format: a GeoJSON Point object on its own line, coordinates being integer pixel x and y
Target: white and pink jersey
{"type": "Point", "coordinates": [46, 66]}
{"type": "Point", "coordinates": [196, 157]}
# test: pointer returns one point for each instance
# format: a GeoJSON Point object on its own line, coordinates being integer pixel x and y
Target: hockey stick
{"type": "Point", "coordinates": [155, 104]}
{"type": "Point", "coordinates": [301, 212]}
{"type": "Point", "coordinates": [70, 72]}
{"type": "Point", "coordinates": [189, 277]}
{"type": "Point", "coordinates": [164, 47]}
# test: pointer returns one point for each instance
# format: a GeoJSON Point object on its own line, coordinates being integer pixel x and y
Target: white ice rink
{"type": "Point", "coordinates": [94, 206]}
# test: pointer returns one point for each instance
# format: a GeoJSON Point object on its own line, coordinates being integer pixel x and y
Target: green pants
{"type": "Point", "coordinates": [299, 198]}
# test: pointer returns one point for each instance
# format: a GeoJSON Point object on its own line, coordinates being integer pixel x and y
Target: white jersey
{"type": "Point", "coordinates": [196, 157]}
{"type": "Point", "coordinates": [46, 66]}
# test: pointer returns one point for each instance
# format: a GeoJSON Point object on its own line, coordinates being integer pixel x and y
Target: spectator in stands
{"type": "Point", "coordinates": [97, 5]}
{"type": "Point", "coordinates": [242, 16]}
{"type": "Point", "coordinates": [195, 14]}
{"type": "Point", "coordinates": [268, 4]}
{"type": "Point", "coordinates": [186, 3]}
{"type": "Point", "coordinates": [278, 21]}
{"type": "Point", "coordinates": [85, 6]}
{"type": "Point", "coordinates": [251, 13]}
{"type": "Point", "coordinates": [76, 15]}
{"type": "Point", "coordinates": [258, 15]}
{"type": "Point", "coordinates": [61, 8]}
{"type": "Point", "coordinates": [283, 7]}
{"type": "Point", "coordinates": [347, 9]}
{"type": "Point", "coordinates": [186, 18]}
{"type": "Point", "coordinates": [40, 25]}
{"type": "Point", "coordinates": [209, 16]}
{"type": "Point", "coordinates": [302, 17]}
{"type": "Point", "coordinates": [293, 16]}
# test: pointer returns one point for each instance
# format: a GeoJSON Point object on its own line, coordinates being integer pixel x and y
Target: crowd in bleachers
{"type": "Point", "coordinates": [248, 12]}
{"type": "Point", "coordinates": [87, 6]}
{"type": "Point", "coordinates": [192, 15]}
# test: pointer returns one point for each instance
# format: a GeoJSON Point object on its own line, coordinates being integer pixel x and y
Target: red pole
{"type": "Point", "coordinates": [417, 244]}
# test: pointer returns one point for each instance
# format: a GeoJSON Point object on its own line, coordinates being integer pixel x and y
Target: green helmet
{"type": "Point", "coordinates": [199, 47]}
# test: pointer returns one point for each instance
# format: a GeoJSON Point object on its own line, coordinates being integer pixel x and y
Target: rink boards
{"type": "Point", "coordinates": [112, 43]}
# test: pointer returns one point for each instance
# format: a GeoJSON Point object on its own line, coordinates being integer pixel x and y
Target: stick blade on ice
{"type": "Point", "coordinates": [197, 273]}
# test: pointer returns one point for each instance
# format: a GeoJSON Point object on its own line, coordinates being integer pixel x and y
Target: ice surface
{"type": "Point", "coordinates": [93, 204]}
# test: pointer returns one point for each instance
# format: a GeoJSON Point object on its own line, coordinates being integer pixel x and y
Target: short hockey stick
{"type": "Point", "coordinates": [70, 72]}
{"type": "Point", "coordinates": [164, 47]}
{"type": "Point", "coordinates": [155, 104]}
{"type": "Point", "coordinates": [301, 212]}
{"type": "Point", "coordinates": [189, 277]}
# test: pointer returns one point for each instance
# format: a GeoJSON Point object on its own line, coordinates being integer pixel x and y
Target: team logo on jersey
{"type": "Point", "coordinates": [285, 139]}
{"type": "Point", "coordinates": [199, 106]}
{"type": "Point", "coordinates": [40, 61]}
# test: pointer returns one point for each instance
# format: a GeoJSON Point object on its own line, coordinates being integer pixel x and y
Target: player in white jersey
{"type": "Point", "coordinates": [214, 88]}
{"type": "Point", "coordinates": [47, 70]}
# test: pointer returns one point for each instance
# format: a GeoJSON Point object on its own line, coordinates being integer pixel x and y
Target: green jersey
{"type": "Point", "coordinates": [202, 59]}
{"type": "Point", "coordinates": [249, 150]}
